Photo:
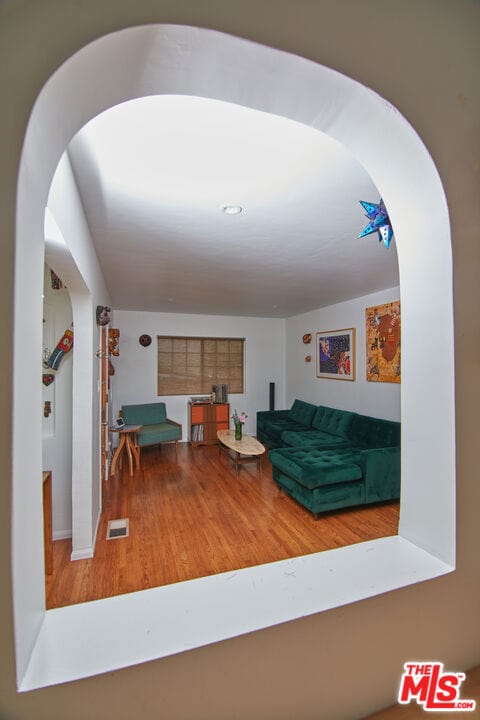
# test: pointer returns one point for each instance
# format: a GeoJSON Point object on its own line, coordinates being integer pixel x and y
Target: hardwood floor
{"type": "Point", "coordinates": [194, 519]}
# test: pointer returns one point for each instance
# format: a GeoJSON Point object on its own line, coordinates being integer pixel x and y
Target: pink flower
{"type": "Point", "coordinates": [239, 418]}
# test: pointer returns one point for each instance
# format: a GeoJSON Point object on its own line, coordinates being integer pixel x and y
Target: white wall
{"type": "Point", "coordinates": [135, 379]}
{"type": "Point", "coordinates": [369, 398]}
{"type": "Point", "coordinates": [57, 428]}
{"type": "Point", "coordinates": [78, 265]}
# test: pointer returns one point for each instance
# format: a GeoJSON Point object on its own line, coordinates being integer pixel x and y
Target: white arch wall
{"type": "Point", "coordinates": [76, 262]}
{"type": "Point", "coordinates": [57, 428]}
{"type": "Point", "coordinates": [81, 473]}
{"type": "Point", "coordinates": [87, 289]}
{"type": "Point", "coordinates": [173, 59]}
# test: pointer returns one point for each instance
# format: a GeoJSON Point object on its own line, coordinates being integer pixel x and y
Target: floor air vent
{"type": "Point", "coordinates": [117, 529]}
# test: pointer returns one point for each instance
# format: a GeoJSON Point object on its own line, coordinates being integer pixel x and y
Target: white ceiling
{"type": "Point", "coordinates": [154, 175]}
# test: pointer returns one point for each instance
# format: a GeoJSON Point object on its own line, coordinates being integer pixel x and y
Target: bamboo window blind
{"type": "Point", "coordinates": [191, 365]}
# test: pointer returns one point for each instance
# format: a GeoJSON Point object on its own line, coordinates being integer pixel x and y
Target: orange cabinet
{"type": "Point", "coordinates": [205, 419]}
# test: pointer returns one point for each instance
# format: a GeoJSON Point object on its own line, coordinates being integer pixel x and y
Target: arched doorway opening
{"type": "Point", "coordinates": [126, 65]}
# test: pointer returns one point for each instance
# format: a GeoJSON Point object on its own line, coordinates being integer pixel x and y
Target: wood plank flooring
{"type": "Point", "coordinates": [196, 518]}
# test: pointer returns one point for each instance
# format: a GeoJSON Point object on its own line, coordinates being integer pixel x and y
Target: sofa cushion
{"type": "Point", "coordinates": [274, 429]}
{"type": "Point", "coordinates": [158, 433]}
{"type": "Point", "coordinates": [369, 432]}
{"type": "Point", "coordinates": [264, 417]}
{"type": "Point", "coordinates": [146, 414]}
{"type": "Point", "coordinates": [314, 468]}
{"type": "Point", "coordinates": [307, 438]}
{"type": "Point", "coordinates": [302, 412]}
{"type": "Point", "coordinates": [333, 421]}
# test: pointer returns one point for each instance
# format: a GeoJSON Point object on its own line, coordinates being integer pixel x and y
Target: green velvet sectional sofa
{"type": "Point", "coordinates": [329, 459]}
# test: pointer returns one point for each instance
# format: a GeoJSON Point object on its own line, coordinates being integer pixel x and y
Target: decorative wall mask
{"type": "Point", "coordinates": [308, 358]}
{"type": "Point", "coordinates": [103, 315]}
{"type": "Point", "coordinates": [48, 378]}
{"type": "Point", "coordinates": [113, 340]}
{"type": "Point", "coordinates": [380, 222]}
{"type": "Point", "coordinates": [145, 340]}
{"type": "Point", "coordinates": [307, 338]}
{"type": "Point", "coordinates": [47, 408]}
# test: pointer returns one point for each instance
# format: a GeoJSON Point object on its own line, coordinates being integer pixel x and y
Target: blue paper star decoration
{"type": "Point", "coordinates": [380, 222]}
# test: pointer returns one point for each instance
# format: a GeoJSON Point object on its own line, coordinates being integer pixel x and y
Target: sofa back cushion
{"type": "Point", "coordinates": [147, 414]}
{"type": "Point", "coordinates": [368, 432]}
{"type": "Point", "coordinates": [333, 421]}
{"type": "Point", "coordinates": [302, 412]}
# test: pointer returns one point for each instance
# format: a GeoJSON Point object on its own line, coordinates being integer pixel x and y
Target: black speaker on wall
{"type": "Point", "coordinates": [272, 396]}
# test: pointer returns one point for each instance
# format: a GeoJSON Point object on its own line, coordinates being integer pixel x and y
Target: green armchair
{"type": "Point", "coordinates": [156, 427]}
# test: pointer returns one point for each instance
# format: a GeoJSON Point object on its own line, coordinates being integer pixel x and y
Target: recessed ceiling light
{"type": "Point", "coordinates": [232, 209]}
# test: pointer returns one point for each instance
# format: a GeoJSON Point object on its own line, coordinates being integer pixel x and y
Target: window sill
{"type": "Point", "coordinates": [93, 638]}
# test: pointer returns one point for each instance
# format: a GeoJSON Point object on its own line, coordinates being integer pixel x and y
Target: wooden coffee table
{"type": "Point", "coordinates": [246, 450]}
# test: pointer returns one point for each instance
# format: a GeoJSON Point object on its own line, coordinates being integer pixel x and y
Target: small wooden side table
{"type": "Point", "coordinates": [128, 440]}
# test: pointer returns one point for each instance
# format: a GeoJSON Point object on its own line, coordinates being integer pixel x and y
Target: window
{"type": "Point", "coordinates": [191, 365]}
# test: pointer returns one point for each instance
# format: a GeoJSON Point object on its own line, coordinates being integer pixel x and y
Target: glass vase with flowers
{"type": "Point", "coordinates": [239, 422]}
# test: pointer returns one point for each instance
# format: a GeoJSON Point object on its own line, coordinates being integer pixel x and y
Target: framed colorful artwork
{"type": "Point", "coordinates": [382, 332]}
{"type": "Point", "coordinates": [336, 354]}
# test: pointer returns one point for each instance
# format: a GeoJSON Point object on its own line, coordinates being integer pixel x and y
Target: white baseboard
{"type": "Point", "coordinates": [88, 552]}
{"type": "Point", "coordinates": [94, 542]}
{"type": "Point", "coordinates": [61, 535]}
{"type": "Point", "coordinates": [83, 554]}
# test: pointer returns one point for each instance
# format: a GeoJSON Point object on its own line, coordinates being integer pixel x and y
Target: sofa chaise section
{"type": "Point", "coordinates": [323, 480]}
{"type": "Point", "coordinates": [320, 480]}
